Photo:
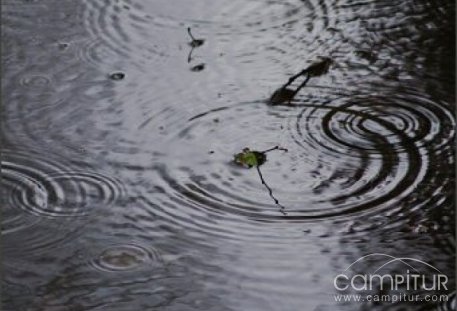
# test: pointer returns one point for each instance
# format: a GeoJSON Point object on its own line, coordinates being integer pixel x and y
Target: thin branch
{"type": "Point", "coordinates": [274, 148]}
{"type": "Point", "coordinates": [294, 77]}
{"type": "Point", "coordinates": [189, 56]}
{"type": "Point", "coordinates": [190, 34]}
{"type": "Point", "coordinates": [270, 192]}
{"type": "Point", "coordinates": [302, 85]}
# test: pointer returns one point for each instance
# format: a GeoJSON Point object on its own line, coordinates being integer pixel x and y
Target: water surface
{"type": "Point", "coordinates": [118, 136]}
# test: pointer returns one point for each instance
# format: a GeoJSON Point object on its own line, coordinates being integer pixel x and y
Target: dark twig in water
{"type": "Point", "coordinates": [195, 42]}
{"type": "Point", "coordinates": [189, 56]}
{"type": "Point", "coordinates": [294, 77]}
{"type": "Point", "coordinates": [284, 94]}
{"type": "Point", "coordinates": [270, 192]}
{"type": "Point", "coordinates": [302, 85]}
{"type": "Point", "coordinates": [274, 148]}
{"type": "Point", "coordinates": [207, 112]}
{"type": "Point", "coordinates": [189, 31]}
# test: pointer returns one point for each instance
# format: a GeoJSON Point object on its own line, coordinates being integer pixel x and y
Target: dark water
{"type": "Point", "coordinates": [118, 192]}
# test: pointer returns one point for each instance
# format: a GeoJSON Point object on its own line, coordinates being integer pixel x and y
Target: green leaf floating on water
{"type": "Point", "coordinates": [250, 158]}
{"type": "Point", "coordinates": [253, 158]}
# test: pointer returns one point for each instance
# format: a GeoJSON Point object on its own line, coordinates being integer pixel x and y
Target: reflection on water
{"type": "Point", "coordinates": [118, 136]}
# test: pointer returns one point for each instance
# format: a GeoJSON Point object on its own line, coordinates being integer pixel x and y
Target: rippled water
{"type": "Point", "coordinates": [118, 135]}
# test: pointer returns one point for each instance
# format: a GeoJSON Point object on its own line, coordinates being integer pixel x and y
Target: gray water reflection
{"type": "Point", "coordinates": [118, 192]}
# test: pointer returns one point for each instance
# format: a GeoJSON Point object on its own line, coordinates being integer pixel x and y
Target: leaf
{"type": "Point", "coordinates": [250, 158]}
